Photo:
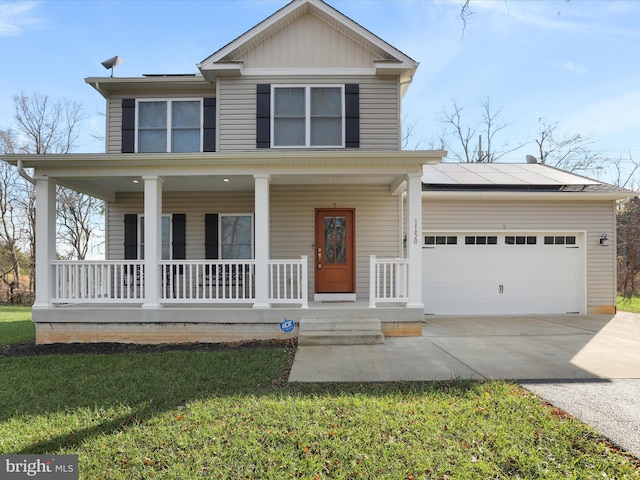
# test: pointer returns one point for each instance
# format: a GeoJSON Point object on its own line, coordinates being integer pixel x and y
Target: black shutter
{"type": "Point", "coordinates": [209, 125]}
{"type": "Point", "coordinates": [263, 115]}
{"type": "Point", "coordinates": [211, 236]}
{"type": "Point", "coordinates": [128, 124]}
{"type": "Point", "coordinates": [130, 236]}
{"type": "Point", "coordinates": [179, 231]}
{"type": "Point", "coordinates": [352, 115]}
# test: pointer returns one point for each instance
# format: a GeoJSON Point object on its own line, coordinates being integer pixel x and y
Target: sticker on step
{"type": "Point", "coordinates": [287, 326]}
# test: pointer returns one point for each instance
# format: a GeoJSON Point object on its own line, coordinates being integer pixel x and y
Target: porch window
{"type": "Point", "coordinates": [166, 238]}
{"type": "Point", "coordinates": [305, 116]}
{"type": "Point", "coordinates": [236, 236]}
{"type": "Point", "coordinates": [169, 126]}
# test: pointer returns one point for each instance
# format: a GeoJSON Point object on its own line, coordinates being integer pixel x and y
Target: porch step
{"type": "Point", "coordinates": [348, 331]}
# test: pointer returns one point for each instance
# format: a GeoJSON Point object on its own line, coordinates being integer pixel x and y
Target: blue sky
{"type": "Point", "coordinates": [574, 62]}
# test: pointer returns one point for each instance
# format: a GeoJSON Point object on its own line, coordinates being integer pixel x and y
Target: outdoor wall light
{"type": "Point", "coordinates": [135, 180]}
{"type": "Point", "coordinates": [604, 241]}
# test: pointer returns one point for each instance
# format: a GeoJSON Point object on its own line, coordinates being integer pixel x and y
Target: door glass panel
{"type": "Point", "coordinates": [335, 239]}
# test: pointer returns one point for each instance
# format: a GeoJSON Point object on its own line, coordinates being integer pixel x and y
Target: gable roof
{"type": "Point", "coordinates": [502, 178]}
{"type": "Point", "coordinates": [389, 60]}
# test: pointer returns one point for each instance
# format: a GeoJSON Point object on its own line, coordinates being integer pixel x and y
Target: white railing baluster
{"type": "Point", "coordinates": [388, 280]}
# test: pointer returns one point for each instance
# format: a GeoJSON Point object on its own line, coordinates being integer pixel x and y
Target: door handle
{"type": "Point", "coordinates": [501, 289]}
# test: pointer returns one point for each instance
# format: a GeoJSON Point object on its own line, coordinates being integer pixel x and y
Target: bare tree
{"type": "Point", "coordinates": [48, 127]}
{"type": "Point", "coordinates": [77, 221]}
{"type": "Point", "coordinates": [43, 126]}
{"type": "Point", "coordinates": [569, 152]}
{"type": "Point", "coordinates": [463, 146]}
{"type": "Point", "coordinates": [628, 232]}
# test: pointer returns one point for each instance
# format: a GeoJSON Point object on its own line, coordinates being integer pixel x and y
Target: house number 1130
{"type": "Point", "coordinates": [415, 231]}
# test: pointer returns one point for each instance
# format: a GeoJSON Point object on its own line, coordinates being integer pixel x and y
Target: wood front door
{"type": "Point", "coordinates": [335, 250]}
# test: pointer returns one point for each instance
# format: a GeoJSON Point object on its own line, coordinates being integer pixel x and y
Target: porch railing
{"type": "Point", "coordinates": [181, 281]}
{"type": "Point", "coordinates": [207, 281]}
{"type": "Point", "coordinates": [288, 281]}
{"type": "Point", "coordinates": [389, 279]}
{"type": "Point", "coordinates": [98, 281]}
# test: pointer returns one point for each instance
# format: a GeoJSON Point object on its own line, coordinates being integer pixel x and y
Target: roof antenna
{"type": "Point", "coordinates": [111, 63]}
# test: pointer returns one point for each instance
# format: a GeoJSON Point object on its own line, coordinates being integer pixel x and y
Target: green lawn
{"type": "Point", "coordinates": [16, 325]}
{"type": "Point", "coordinates": [231, 414]}
{"type": "Point", "coordinates": [629, 304]}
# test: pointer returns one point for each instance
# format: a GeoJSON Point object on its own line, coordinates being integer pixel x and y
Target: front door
{"type": "Point", "coordinates": [334, 255]}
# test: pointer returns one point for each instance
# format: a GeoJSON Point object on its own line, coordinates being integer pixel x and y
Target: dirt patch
{"type": "Point", "coordinates": [31, 350]}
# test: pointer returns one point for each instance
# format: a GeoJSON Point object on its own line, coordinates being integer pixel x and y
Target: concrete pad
{"type": "Point", "coordinates": [553, 347]}
{"type": "Point", "coordinates": [512, 325]}
{"type": "Point", "coordinates": [518, 357]}
{"type": "Point", "coordinates": [399, 359]}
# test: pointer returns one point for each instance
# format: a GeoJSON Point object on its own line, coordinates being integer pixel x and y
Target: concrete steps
{"type": "Point", "coordinates": [348, 331]}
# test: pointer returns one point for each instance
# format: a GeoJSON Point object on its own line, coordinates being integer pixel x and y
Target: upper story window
{"type": "Point", "coordinates": [169, 126]}
{"type": "Point", "coordinates": [308, 116]}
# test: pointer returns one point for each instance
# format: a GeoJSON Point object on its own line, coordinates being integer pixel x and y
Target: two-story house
{"type": "Point", "coordinates": [271, 184]}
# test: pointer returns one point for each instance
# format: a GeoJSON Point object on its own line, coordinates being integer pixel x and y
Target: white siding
{"type": "Point", "coordinates": [379, 109]}
{"type": "Point", "coordinates": [593, 217]}
{"type": "Point", "coordinates": [114, 104]}
{"type": "Point", "coordinates": [308, 43]}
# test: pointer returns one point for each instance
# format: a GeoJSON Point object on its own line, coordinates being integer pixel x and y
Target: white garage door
{"type": "Point", "coordinates": [503, 273]}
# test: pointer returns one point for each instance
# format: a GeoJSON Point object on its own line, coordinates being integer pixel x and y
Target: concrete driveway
{"type": "Point", "coordinates": [563, 347]}
{"type": "Point", "coordinates": [588, 366]}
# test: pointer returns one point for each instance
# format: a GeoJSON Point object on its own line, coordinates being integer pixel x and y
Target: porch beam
{"type": "Point", "coordinates": [45, 241]}
{"type": "Point", "coordinates": [262, 236]}
{"type": "Point", "coordinates": [414, 239]}
{"type": "Point", "coordinates": [152, 240]}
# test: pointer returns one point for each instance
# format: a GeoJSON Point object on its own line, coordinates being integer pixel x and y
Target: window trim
{"type": "Point", "coordinates": [220, 245]}
{"type": "Point", "coordinates": [169, 128]}
{"type": "Point", "coordinates": [307, 107]}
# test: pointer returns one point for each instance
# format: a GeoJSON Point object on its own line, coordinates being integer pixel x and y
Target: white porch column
{"type": "Point", "coordinates": [262, 234]}
{"type": "Point", "coordinates": [414, 239]}
{"type": "Point", "coordinates": [152, 240]}
{"type": "Point", "coordinates": [45, 241]}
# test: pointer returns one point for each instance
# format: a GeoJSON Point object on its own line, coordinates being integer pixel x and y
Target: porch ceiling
{"type": "Point", "coordinates": [106, 187]}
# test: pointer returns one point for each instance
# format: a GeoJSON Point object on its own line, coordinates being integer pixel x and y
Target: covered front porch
{"type": "Point", "coordinates": [198, 297]}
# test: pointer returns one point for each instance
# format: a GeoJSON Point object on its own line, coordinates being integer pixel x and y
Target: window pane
{"type": "Point", "coordinates": [152, 141]}
{"type": "Point", "coordinates": [166, 238]}
{"type": "Point", "coordinates": [288, 132]}
{"type": "Point", "coordinates": [326, 131]}
{"type": "Point", "coordinates": [185, 114]}
{"type": "Point", "coordinates": [152, 115]}
{"type": "Point", "coordinates": [289, 102]}
{"type": "Point", "coordinates": [185, 140]}
{"type": "Point", "coordinates": [326, 101]}
{"type": "Point", "coordinates": [236, 236]}
{"type": "Point", "coordinates": [335, 235]}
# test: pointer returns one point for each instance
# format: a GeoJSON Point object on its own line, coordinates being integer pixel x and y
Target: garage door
{"type": "Point", "coordinates": [503, 273]}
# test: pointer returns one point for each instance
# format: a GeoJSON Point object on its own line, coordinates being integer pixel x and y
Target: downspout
{"type": "Point", "coordinates": [23, 173]}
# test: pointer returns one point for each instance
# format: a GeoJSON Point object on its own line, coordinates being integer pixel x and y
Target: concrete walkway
{"type": "Point", "coordinates": [588, 366]}
{"type": "Point", "coordinates": [563, 347]}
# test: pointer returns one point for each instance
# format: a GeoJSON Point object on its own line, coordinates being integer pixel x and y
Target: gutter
{"type": "Point", "coordinates": [23, 173]}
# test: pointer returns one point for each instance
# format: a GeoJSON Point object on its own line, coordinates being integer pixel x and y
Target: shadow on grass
{"type": "Point", "coordinates": [148, 385]}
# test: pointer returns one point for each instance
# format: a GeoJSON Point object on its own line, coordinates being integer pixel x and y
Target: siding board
{"type": "Point", "coordinates": [379, 120]}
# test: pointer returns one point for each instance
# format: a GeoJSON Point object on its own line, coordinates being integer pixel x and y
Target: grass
{"type": "Point", "coordinates": [231, 414]}
{"type": "Point", "coordinates": [629, 303]}
{"type": "Point", "coordinates": [16, 325]}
